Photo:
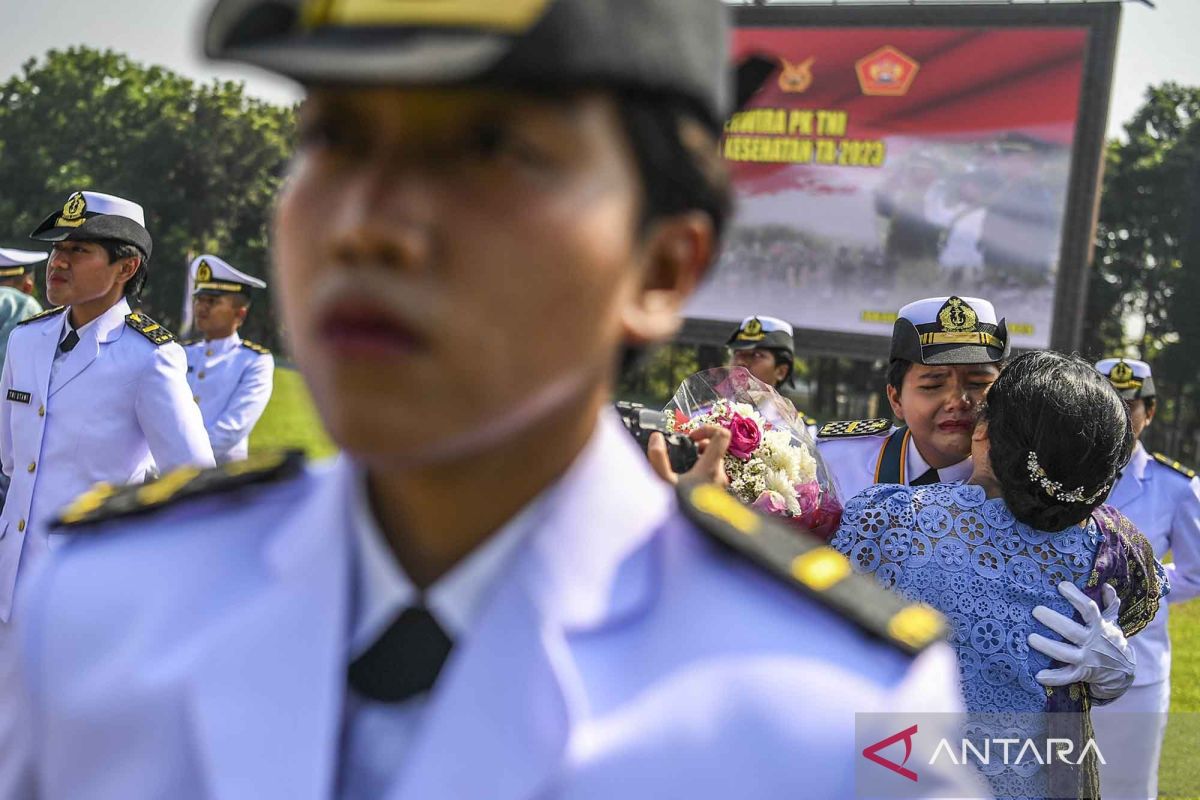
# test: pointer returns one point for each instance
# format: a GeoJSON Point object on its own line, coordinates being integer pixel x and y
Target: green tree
{"type": "Point", "coordinates": [1147, 261]}
{"type": "Point", "coordinates": [204, 160]}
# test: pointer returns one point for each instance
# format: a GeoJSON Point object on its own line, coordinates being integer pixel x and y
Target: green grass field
{"type": "Point", "coordinates": [1179, 770]}
{"type": "Point", "coordinates": [291, 421]}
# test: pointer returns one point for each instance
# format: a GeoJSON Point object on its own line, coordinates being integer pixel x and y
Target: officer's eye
{"type": "Point", "coordinates": [324, 133]}
{"type": "Point", "coordinates": [499, 142]}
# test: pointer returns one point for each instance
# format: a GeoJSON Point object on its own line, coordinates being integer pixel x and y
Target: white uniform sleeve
{"type": "Point", "coordinates": [1184, 571]}
{"type": "Point", "coordinates": [169, 417]}
{"type": "Point", "coordinates": [246, 405]}
{"type": "Point", "coordinates": [6, 443]}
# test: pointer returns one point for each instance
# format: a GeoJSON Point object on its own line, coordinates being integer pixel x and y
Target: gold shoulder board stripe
{"type": "Point", "coordinates": [49, 312]}
{"type": "Point", "coordinates": [812, 568]}
{"type": "Point", "coordinates": [1167, 461]}
{"type": "Point", "coordinates": [104, 502]}
{"type": "Point", "coordinates": [855, 427]}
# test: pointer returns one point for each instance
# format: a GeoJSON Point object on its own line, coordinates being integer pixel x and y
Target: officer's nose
{"type": "Point", "coordinates": [386, 219]}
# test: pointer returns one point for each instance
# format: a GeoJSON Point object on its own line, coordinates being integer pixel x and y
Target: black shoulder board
{"type": "Point", "coordinates": [149, 328]}
{"type": "Point", "coordinates": [855, 427]}
{"type": "Point", "coordinates": [104, 502]}
{"type": "Point", "coordinates": [812, 568]}
{"type": "Point", "coordinates": [1167, 461]}
{"type": "Point", "coordinates": [256, 347]}
{"type": "Point", "coordinates": [49, 312]}
{"type": "Point", "coordinates": [805, 418]}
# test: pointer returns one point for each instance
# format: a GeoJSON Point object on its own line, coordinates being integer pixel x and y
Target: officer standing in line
{"type": "Point", "coordinates": [1162, 498]}
{"type": "Point", "coordinates": [946, 352]}
{"type": "Point", "coordinates": [230, 377]}
{"type": "Point", "coordinates": [90, 392]}
{"type": "Point", "coordinates": [766, 347]}
{"type": "Point", "coordinates": [490, 594]}
{"type": "Point", "coordinates": [17, 304]}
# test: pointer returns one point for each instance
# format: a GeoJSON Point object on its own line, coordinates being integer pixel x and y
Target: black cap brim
{"type": "Point", "coordinates": [102, 227]}
{"type": "Point", "coordinates": [961, 354]}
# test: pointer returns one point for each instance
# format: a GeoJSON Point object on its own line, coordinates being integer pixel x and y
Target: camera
{"type": "Point", "coordinates": [641, 422]}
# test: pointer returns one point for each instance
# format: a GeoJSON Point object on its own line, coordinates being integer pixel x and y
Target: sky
{"type": "Point", "coordinates": [1155, 45]}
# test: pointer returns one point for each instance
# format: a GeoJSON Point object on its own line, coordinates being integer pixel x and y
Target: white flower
{"type": "Point", "coordinates": [779, 482]}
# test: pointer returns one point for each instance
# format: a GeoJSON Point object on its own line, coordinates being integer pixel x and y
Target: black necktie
{"type": "Point", "coordinates": [405, 661]}
{"type": "Point", "coordinates": [68, 343]}
{"type": "Point", "coordinates": [929, 477]}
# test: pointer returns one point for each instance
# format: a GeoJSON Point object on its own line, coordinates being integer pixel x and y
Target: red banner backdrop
{"type": "Point", "coordinates": [879, 165]}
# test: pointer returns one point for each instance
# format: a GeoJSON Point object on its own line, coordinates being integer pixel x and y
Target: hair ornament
{"type": "Point", "coordinates": [1054, 489]}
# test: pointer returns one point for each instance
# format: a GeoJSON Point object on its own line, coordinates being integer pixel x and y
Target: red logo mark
{"type": "Point", "coordinates": [872, 752]}
{"type": "Point", "coordinates": [888, 72]}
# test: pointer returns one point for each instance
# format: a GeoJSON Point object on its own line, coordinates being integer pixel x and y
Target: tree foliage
{"type": "Point", "coordinates": [1147, 267]}
{"type": "Point", "coordinates": [204, 160]}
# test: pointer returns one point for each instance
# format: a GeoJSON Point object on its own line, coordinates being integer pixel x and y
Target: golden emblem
{"type": "Point", "coordinates": [957, 316]}
{"type": "Point", "coordinates": [752, 331]}
{"type": "Point", "coordinates": [513, 16]}
{"type": "Point", "coordinates": [1121, 373]}
{"type": "Point", "coordinates": [73, 211]}
{"type": "Point", "coordinates": [796, 78]}
{"type": "Point", "coordinates": [203, 272]}
{"type": "Point", "coordinates": [76, 206]}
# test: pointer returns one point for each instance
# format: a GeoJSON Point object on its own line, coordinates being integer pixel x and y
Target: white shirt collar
{"type": "Point", "coordinates": [82, 330]}
{"type": "Point", "coordinates": [223, 344]}
{"type": "Point", "coordinates": [383, 590]}
{"type": "Point", "coordinates": [917, 466]}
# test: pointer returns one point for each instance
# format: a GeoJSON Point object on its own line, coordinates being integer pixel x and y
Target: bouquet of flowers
{"type": "Point", "coordinates": [772, 462]}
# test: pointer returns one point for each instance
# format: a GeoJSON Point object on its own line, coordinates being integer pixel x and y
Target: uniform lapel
{"type": "Point", "coordinates": [269, 684]}
{"type": "Point", "coordinates": [1133, 479]}
{"type": "Point", "coordinates": [46, 346]}
{"type": "Point", "coordinates": [108, 327]}
{"type": "Point", "coordinates": [502, 715]}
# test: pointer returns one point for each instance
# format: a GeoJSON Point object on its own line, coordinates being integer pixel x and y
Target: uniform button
{"type": "Point", "coordinates": [41, 411]}
{"type": "Point", "coordinates": [196, 397]}
{"type": "Point", "coordinates": [32, 466]}
{"type": "Point", "coordinates": [208, 352]}
{"type": "Point", "coordinates": [21, 525]}
{"type": "Point", "coordinates": [200, 375]}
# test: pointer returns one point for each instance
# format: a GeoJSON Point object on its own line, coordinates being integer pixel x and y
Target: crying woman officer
{"type": "Point", "coordinates": [489, 594]}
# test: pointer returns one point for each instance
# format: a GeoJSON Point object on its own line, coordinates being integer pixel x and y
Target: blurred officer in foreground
{"type": "Point", "coordinates": [230, 377]}
{"type": "Point", "coordinates": [490, 594]}
{"type": "Point", "coordinates": [946, 352]}
{"type": "Point", "coordinates": [1162, 497]}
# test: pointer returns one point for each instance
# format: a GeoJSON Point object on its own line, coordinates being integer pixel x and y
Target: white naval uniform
{"type": "Point", "coordinates": [617, 652]}
{"type": "Point", "coordinates": [852, 461]}
{"type": "Point", "coordinates": [231, 381]}
{"type": "Point", "coordinates": [1165, 506]}
{"type": "Point", "coordinates": [112, 409]}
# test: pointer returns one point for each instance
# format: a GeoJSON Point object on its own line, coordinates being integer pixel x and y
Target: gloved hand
{"type": "Point", "coordinates": [1102, 657]}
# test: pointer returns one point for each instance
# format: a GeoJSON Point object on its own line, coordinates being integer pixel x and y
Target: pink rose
{"type": "Point", "coordinates": [744, 437]}
{"type": "Point", "coordinates": [770, 503]}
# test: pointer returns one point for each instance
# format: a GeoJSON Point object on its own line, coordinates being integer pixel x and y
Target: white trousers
{"type": "Point", "coordinates": [1130, 731]}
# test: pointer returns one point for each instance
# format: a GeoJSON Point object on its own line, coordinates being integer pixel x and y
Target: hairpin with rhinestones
{"type": "Point", "coordinates": [1055, 489]}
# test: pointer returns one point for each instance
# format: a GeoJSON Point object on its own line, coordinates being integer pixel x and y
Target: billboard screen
{"type": "Point", "coordinates": [879, 165]}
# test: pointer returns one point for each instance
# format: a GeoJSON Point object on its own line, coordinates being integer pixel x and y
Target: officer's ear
{"type": "Point", "coordinates": [128, 267]}
{"type": "Point", "coordinates": [675, 254]}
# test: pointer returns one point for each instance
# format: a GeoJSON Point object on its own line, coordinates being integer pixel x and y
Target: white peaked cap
{"type": "Point", "coordinates": [925, 312]}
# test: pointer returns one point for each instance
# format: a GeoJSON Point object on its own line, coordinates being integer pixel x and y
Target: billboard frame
{"type": "Point", "coordinates": [1102, 20]}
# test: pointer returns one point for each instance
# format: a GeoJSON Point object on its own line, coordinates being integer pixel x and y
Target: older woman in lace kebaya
{"type": "Point", "coordinates": [1024, 534]}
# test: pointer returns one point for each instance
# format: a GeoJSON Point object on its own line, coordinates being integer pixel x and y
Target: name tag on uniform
{"type": "Point", "coordinates": [19, 397]}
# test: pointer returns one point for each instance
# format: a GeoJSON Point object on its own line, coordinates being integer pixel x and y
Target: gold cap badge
{"type": "Point", "coordinates": [1121, 376]}
{"type": "Point", "coordinates": [957, 316]}
{"type": "Point", "coordinates": [752, 331]}
{"type": "Point", "coordinates": [73, 211]}
{"type": "Point", "coordinates": [203, 272]}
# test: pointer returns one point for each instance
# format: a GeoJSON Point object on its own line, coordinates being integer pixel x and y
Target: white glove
{"type": "Point", "coordinates": [1102, 658]}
